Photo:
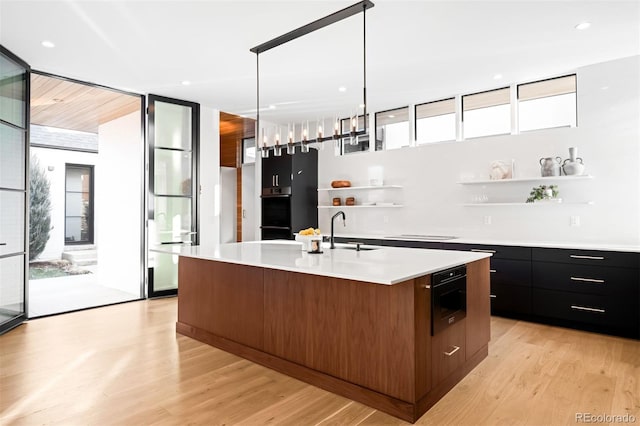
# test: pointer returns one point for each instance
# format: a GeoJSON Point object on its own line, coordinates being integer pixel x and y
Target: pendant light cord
{"type": "Point", "coordinates": [257, 136]}
{"type": "Point", "coordinates": [364, 62]}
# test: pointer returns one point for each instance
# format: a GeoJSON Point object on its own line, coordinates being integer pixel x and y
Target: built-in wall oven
{"type": "Point", "coordinates": [448, 298]}
{"type": "Point", "coordinates": [276, 213]}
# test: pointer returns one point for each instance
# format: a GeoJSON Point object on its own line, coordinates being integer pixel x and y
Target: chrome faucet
{"type": "Point", "coordinates": [344, 223]}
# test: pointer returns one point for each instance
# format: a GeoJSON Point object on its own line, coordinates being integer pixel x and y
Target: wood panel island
{"type": "Point", "coordinates": [356, 323]}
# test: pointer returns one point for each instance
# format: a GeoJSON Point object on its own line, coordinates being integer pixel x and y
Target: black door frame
{"type": "Point", "coordinates": [195, 177]}
{"type": "Point", "coordinates": [21, 317]}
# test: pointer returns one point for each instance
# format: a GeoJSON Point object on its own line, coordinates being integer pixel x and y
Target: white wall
{"type": "Point", "coordinates": [56, 159]}
{"type": "Point", "coordinates": [249, 202]}
{"type": "Point", "coordinates": [118, 202]}
{"type": "Point", "coordinates": [228, 183]}
{"type": "Point", "coordinates": [209, 208]}
{"type": "Point", "coordinates": [607, 138]}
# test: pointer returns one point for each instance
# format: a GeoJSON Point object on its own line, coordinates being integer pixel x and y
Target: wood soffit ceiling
{"type": "Point", "coordinates": [75, 106]}
{"type": "Point", "coordinates": [236, 126]}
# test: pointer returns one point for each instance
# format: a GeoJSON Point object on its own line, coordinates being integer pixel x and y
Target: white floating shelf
{"type": "Point", "coordinates": [361, 207]}
{"type": "Point", "coordinates": [360, 187]}
{"type": "Point", "coordinates": [532, 179]}
{"type": "Point", "coordinates": [589, 203]}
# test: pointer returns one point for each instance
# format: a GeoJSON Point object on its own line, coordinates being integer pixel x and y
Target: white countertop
{"type": "Point", "coordinates": [521, 243]}
{"type": "Point", "coordinates": [385, 265]}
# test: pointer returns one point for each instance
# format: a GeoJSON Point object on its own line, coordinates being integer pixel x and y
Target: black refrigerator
{"type": "Point", "coordinates": [289, 200]}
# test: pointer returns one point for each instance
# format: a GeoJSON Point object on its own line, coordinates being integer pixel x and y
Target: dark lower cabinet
{"type": "Point", "coordinates": [507, 300]}
{"type": "Point", "coordinates": [412, 244]}
{"type": "Point", "coordinates": [593, 290]}
{"type": "Point", "coordinates": [611, 315]}
{"type": "Point", "coordinates": [353, 240]}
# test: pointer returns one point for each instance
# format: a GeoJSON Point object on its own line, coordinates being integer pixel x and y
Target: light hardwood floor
{"type": "Point", "coordinates": [125, 365]}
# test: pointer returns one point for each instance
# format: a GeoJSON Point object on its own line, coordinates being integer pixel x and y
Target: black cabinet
{"type": "Point", "coordinates": [510, 268]}
{"type": "Point", "coordinates": [412, 244]}
{"type": "Point", "coordinates": [595, 290]}
{"type": "Point", "coordinates": [354, 240]}
{"type": "Point", "coordinates": [289, 199]}
{"type": "Point", "coordinates": [276, 171]}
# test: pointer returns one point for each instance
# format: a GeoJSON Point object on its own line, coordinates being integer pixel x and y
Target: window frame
{"type": "Point", "coordinates": [382, 144]}
{"type": "Point", "coordinates": [90, 213]}
{"type": "Point", "coordinates": [462, 112]}
{"type": "Point", "coordinates": [517, 100]}
{"type": "Point", "coordinates": [455, 117]}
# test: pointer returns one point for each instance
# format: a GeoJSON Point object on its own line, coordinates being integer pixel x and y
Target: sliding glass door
{"type": "Point", "coordinates": [14, 125]}
{"type": "Point", "coordinates": [173, 142]}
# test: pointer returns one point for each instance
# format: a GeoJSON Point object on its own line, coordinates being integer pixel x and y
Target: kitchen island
{"type": "Point", "coordinates": [356, 323]}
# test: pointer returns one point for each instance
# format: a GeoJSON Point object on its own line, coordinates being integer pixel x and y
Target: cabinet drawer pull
{"type": "Point", "coordinates": [455, 349]}
{"type": "Point", "coordinates": [584, 308]}
{"type": "Point", "coordinates": [579, 256]}
{"type": "Point", "coordinates": [483, 251]}
{"type": "Point", "coordinates": [587, 280]}
{"type": "Point", "coordinates": [492, 296]}
{"type": "Point", "coordinates": [492, 270]}
{"type": "Point", "coordinates": [3, 244]}
{"type": "Point", "coordinates": [427, 287]}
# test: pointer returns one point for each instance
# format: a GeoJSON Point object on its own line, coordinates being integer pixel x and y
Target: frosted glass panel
{"type": "Point", "coordinates": [12, 92]}
{"type": "Point", "coordinates": [172, 170]}
{"type": "Point", "coordinates": [172, 126]}
{"type": "Point", "coordinates": [11, 222]}
{"type": "Point", "coordinates": [165, 272]}
{"type": "Point", "coordinates": [11, 157]}
{"type": "Point", "coordinates": [172, 219]}
{"type": "Point", "coordinates": [12, 287]}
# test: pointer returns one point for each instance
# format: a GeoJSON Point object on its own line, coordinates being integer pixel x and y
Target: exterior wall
{"type": "Point", "coordinates": [119, 210]}
{"type": "Point", "coordinates": [53, 161]}
{"type": "Point", "coordinates": [607, 139]}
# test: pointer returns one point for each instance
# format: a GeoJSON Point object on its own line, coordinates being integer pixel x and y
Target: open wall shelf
{"type": "Point", "coordinates": [531, 179]}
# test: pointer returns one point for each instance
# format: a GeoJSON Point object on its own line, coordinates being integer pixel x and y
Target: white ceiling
{"type": "Point", "coordinates": [417, 51]}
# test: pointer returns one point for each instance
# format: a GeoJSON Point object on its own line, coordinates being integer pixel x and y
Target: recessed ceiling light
{"type": "Point", "coordinates": [391, 116]}
{"type": "Point", "coordinates": [47, 43]}
{"type": "Point", "coordinates": [272, 107]}
{"type": "Point", "coordinates": [342, 89]}
{"type": "Point", "coordinates": [583, 25]}
{"type": "Point", "coordinates": [186, 83]}
{"type": "Point", "coordinates": [497, 77]}
{"type": "Point", "coordinates": [604, 88]}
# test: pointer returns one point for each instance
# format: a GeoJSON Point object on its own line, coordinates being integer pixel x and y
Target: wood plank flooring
{"type": "Point", "coordinates": [125, 365]}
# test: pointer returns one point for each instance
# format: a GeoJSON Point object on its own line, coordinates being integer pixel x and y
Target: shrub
{"type": "Point", "coordinates": [39, 209]}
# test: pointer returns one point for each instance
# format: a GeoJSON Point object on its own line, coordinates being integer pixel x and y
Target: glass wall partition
{"type": "Point", "coordinates": [173, 142]}
{"type": "Point", "coordinates": [14, 125]}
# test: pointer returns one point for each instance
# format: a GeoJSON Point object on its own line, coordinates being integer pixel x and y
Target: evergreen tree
{"type": "Point", "coordinates": [39, 209]}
